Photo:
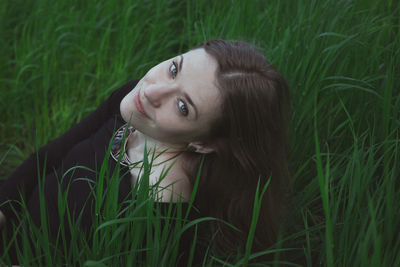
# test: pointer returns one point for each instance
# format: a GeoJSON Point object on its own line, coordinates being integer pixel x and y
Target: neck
{"type": "Point", "coordinates": [138, 140]}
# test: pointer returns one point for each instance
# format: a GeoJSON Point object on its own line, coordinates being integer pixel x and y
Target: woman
{"type": "Point", "coordinates": [221, 102]}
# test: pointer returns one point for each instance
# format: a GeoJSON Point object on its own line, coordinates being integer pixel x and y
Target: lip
{"type": "Point", "coordinates": [138, 104]}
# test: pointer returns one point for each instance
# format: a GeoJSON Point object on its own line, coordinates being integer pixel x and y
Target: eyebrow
{"type": "Point", "coordinates": [185, 94]}
{"type": "Point", "coordinates": [180, 64]}
{"type": "Point", "coordinates": [192, 104]}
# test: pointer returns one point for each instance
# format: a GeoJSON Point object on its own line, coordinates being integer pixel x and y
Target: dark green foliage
{"type": "Point", "coordinates": [60, 59]}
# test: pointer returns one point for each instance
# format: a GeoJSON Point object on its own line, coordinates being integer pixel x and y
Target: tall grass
{"type": "Point", "coordinates": [60, 59]}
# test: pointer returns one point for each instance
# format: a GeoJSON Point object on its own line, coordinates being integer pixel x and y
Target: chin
{"type": "Point", "coordinates": [125, 110]}
{"type": "Point", "coordinates": [124, 116]}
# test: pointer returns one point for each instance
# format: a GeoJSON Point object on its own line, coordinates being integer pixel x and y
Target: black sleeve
{"type": "Point", "coordinates": [49, 157]}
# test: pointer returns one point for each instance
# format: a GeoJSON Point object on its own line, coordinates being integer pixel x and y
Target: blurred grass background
{"type": "Point", "coordinates": [60, 59]}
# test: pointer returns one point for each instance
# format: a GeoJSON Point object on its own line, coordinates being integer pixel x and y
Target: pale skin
{"type": "Point", "coordinates": [178, 100]}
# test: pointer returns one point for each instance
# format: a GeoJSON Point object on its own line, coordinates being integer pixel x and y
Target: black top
{"type": "Point", "coordinates": [85, 144]}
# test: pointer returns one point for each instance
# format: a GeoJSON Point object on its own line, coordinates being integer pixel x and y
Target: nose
{"type": "Point", "coordinates": [157, 93]}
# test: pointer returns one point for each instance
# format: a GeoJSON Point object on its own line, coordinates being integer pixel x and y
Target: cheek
{"type": "Point", "coordinates": [174, 128]}
{"type": "Point", "coordinates": [169, 124]}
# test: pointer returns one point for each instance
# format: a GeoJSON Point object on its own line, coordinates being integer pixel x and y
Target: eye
{"type": "Point", "coordinates": [183, 108]}
{"type": "Point", "coordinates": [173, 70]}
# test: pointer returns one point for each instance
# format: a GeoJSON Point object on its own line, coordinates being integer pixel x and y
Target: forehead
{"type": "Point", "coordinates": [198, 77]}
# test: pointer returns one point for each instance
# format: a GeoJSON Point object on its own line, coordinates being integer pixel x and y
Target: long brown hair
{"type": "Point", "coordinates": [249, 138]}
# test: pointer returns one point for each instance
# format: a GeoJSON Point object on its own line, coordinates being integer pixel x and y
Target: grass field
{"type": "Point", "coordinates": [60, 59]}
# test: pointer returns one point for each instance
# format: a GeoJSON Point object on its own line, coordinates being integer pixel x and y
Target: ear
{"type": "Point", "coordinates": [201, 147]}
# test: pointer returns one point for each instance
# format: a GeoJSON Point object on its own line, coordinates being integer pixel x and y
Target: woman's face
{"type": "Point", "coordinates": [176, 101]}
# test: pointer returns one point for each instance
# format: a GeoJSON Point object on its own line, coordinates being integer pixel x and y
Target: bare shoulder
{"type": "Point", "coordinates": [175, 185]}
